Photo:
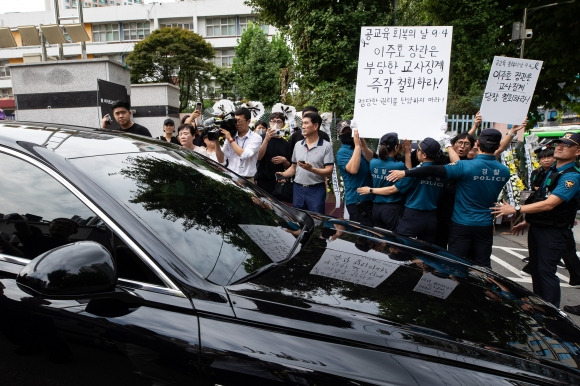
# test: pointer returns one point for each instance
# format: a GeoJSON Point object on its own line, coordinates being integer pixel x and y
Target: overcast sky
{"type": "Point", "coordinates": [36, 5]}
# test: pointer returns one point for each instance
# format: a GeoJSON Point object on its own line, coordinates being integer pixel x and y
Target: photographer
{"type": "Point", "coordinates": [273, 154]}
{"type": "Point", "coordinates": [241, 149]}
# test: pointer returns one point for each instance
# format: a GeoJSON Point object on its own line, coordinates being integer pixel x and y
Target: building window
{"type": "Point", "coordinates": [4, 69]}
{"type": "Point", "coordinates": [221, 26]}
{"type": "Point", "coordinates": [136, 30]}
{"type": "Point", "coordinates": [224, 58]}
{"type": "Point", "coordinates": [188, 26]}
{"type": "Point", "coordinates": [245, 20]}
{"type": "Point", "coordinates": [106, 33]}
{"type": "Point", "coordinates": [6, 92]}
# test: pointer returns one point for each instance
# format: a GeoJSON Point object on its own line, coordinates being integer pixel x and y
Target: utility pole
{"type": "Point", "coordinates": [83, 43]}
{"type": "Point", "coordinates": [523, 28]}
{"type": "Point", "coordinates": [57, 17]}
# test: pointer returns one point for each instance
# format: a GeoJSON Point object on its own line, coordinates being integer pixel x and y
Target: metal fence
{"type": "Point", "coordinates": [462, 123]}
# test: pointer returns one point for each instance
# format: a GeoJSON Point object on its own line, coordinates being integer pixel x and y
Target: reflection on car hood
{"type": "Point", "coordinates": [371, 286]}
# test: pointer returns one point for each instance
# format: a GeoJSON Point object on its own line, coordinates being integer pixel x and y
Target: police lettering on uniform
{"type": "Point", "coordinates": [550, 213]}
{"type": "Point", "coordinates": [479, 182]}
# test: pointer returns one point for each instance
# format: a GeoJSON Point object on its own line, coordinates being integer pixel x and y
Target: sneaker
{"type": "Point", "coordinates": [526, 260]}
{"type": "Point", "coordinates": [572, 309]}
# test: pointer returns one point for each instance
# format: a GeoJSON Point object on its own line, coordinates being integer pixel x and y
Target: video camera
{"type": "Point", "coordinates": [212, 126]}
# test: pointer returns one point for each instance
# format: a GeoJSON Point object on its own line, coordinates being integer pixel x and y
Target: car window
{"type": "Point", "coordinates": [217, 224]}
{"type": "Point", "coordinates": [38, 213]}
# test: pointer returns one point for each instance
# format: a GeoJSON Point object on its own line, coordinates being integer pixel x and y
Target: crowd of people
{"type": "Point", "coordinates": [449, 198]}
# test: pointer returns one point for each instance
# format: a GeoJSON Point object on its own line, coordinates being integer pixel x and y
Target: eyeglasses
{"type": "Point", "coordinates": [241, 120]}
{"type": "Point", "coordinates": [567, 145]}
{"type": "Point", "coordinates": [276, 120]}
{"type": "Point", "coordinates": [463, 143]}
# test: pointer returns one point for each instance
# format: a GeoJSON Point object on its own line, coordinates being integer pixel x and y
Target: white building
{"type": "Point", "coordinates": [113, 31]}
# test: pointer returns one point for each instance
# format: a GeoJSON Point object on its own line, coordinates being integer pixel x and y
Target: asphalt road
{"type": "Point", "coordinates": [508, 253]}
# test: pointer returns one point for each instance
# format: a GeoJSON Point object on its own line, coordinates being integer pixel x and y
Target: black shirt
{"type": "Point", "coordinates": [137, 129]}
{"type": "Point", "coordinates": [173, 139]}
{"type": "Point", "coordinates": [266, 169]}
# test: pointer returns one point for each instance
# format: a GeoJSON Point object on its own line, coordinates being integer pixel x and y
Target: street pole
{"type": "Point", "coordinates": [523, 31]}
{"type": "Point", "coordinates": [83, 43]}
{"type": "Point", "coordinates": [56, 15]}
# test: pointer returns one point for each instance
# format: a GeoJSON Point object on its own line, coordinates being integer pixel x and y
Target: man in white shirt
{"type": "Point", "coordinates": [241, 151]}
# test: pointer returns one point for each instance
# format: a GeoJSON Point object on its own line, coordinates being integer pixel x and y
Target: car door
{"type": "Point", "coordinates": [147, 336]}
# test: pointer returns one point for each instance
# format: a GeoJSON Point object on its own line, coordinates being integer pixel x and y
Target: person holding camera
{"type": "Point", "coordinates": [122, 113]}
{"type": "Point", "coordinates": [211, 146]}
{"type": "Point", "coordinates": [273, 154]}
{"type": "Point", "coordinates": [241, 149]}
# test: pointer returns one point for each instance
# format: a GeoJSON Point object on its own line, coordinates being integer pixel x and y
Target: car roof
{"type": "Point", "coordinates": [75, 141]}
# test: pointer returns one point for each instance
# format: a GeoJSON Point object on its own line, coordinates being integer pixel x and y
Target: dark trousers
{"type": "Point", "coordinates": [267, 185]}
{"type": "Point", "coordinates": [472, 242]}
{"type": "Point", "coordinates": [547, 246]}
{"type": "Point", "coordinates": [387, 216]}
{"type": "Point", "coordinates": [312, 198]}
{"type": "Point", "coordinates": [421, 224]}
{"type": "Point", "coordinates": [361, 212]}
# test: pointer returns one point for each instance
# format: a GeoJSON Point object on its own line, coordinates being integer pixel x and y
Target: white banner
{"type": "Point", "coordinates": [402, 80]}
{"type": "Point", "coordinates": [509, 90]}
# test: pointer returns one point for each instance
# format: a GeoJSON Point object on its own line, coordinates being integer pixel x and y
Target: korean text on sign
{"type": "Point", "coordinates": [403, 73]}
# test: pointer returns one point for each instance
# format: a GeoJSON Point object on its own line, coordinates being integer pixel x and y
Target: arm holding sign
{"type": "Point", "coordinates": [507, 139]}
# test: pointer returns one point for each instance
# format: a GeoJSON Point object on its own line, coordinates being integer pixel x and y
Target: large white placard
{"type": "Point", "coordinates": [401, 86]}
{"type": "Point", "coordinates": [275, 241]}
{"type": "Point", "coordinates": [510, 87]}
{"type": "Point", "coordinates": [357, 269]}
{"type": "Point", "coordinates": [435, 286]}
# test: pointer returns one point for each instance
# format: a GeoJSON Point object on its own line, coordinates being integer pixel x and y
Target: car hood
{"type": "Point", "coordinates": [363, 285]}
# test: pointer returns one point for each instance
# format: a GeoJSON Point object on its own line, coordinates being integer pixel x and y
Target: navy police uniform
{"type": "Point", "coordinates": [550, 236]}
{"type": "Point", "coordinates": [419, 218]}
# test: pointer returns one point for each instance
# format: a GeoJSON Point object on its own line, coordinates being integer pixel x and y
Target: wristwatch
{"type": "Point", "coordinates": [371, 190]}
{"type": "Point", "coordinates": [518, 208]}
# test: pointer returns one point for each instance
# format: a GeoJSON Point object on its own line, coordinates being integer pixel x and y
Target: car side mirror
{"type": "Point", "coordinates": [82, 269]}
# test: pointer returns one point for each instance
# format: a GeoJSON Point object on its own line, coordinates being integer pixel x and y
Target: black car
{"type": "Point", "coordinates": [126, 261]}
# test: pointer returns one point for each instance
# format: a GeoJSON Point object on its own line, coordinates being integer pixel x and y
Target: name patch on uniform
{"type": "Point", "coordinates": [569, 184]}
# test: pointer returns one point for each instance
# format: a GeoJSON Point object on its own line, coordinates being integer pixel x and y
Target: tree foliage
{"type": "Point", "coordinates": [259, 65]}
{"type": "Point", "coordinates": [325, 39]}
{"type": "Point", "coordinates": [325, 36]}
{"type": "Point", "coordinates": [172, 55]}
{"type": "Point", "coordinates": [555, 41]}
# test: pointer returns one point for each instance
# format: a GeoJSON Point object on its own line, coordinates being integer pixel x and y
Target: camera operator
{"type": "Point", "coordinates": [241, 149]}
{"type": "Point", "coordinates": [273, 154]}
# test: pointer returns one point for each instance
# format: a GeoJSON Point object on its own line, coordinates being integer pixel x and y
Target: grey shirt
{"type": "Point", "coordinates": [318, 156]}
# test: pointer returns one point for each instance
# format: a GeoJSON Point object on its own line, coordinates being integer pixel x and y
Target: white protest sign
{"type": "Point", "coordinates": [435, 286]}
{"type": "Point", "coordinates": [401, 86]}
{"type": "Point", "coordinates": [275, 241]}
{"type": "Point", "coordinates": [510, 87]}
{"type": "Point", "coordinates": [364, 270]}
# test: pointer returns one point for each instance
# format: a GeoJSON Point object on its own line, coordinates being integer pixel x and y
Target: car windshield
{"type": "Point", "coordinates": [216, 222]}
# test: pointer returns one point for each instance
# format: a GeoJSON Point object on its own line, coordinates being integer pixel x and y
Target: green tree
{"type": "Point", "coordinates": [172, 55]}
{"type": "Point", "coordinates": [259, 65]}
{"type": "Point", "coordinates": [555, 41]}
{"type": "Point", "coordinates": [225, 81]}
{"type": "Point", "coordinates": [325, 39]}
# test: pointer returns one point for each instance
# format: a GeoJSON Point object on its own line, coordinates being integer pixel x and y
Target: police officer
{"type": "Point", "coordinates": [479, 182]}
{"type": "Point", "coordinates": [550, 214]}
{"type": "Point", "coordinates": [387, 208]}
{"type": "Point", "coordinates": [352, 160]}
